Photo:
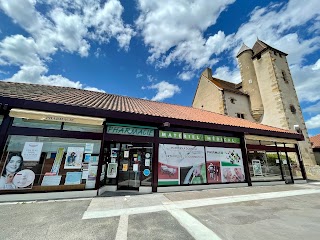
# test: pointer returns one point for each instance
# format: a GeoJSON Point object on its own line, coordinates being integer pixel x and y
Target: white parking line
{"type": "Point", "coordinates": [196, 203]}
{"type": "Point", "coordinates": [193, 226]}
{"type": "Point", "coordinates": [122, 231]}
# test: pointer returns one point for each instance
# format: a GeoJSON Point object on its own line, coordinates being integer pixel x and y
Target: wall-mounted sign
{"type": "Point", "coordinates": [211, 138]}
{"type": "Point", "coordinates": [193, 136]}
{"type": "Point", "coordinates": [197, 137]}
{"type": "Point", "coordinates": [168, 134]}
{"type": "Point", "coordinates": [124, 130]}
{"type": "Point", "coordinates": [146, 172]}
{"type": "Point", "coordinates": [231, 140]}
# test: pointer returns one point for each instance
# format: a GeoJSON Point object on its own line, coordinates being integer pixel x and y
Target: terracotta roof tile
{"type": "Point", "coordinates": [315, 141]}
{"type": "Point", "coordinates": [98, 100]}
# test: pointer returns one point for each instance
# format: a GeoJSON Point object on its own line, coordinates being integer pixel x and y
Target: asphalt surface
{"type": "Point", "coordinates": [156, 216]}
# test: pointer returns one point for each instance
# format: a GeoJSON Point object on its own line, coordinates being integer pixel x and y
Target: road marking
{"type": "Point", "coordinates": [122, 231]}
{"type": "Point", "coordinates": [196, 203]}
{"type": "Point", "coordinates": [193, 226]}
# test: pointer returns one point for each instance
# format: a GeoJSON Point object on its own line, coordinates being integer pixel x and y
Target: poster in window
{"type": "Point", "coordinates": [181, 164]}
{"type": "Point", "coordinates": [114, 152]}
{"type": "Point", "coordinates": [112, 170]}
{"type": "Point", "coordinates": [57, 161]}
{"type": "Point", "coordinates": [51, 180]}
{"type": "Point", "coordinates": [74, 158]}
{"type": "Point", "coordinates": [227, 165]}
{"type": "Point", "coordinates": [32, 151]}
{"type": "Point", "coordinates": [24, 179]}
{"type": "Point", "coordinates": [256, 166]}
{"type": "Point", "coordinates": [89, 148]}
{"type": "Point", "coordinates": [73, 178]}
{"type": "Point", "coordinates": [13, 176]}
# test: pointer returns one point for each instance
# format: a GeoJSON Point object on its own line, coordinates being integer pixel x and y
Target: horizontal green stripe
{"type": "Point", "coordinates": [228, 164]}
{"type": "Point", "coordinates": [129, 125]}
{"type": "Point", "coordinates": [162, 183]}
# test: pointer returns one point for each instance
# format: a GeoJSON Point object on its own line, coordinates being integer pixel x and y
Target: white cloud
{"type": "Point", "coordinates": [66, 26]}
{"type": "Point", "coordinates": [164, 90]}
{"type": "Point", "coordinates": [173, 31]}
{"type": "Point", "coordinates": [313, 122]}
{"type": "Point", "coordinates": [225, 73]}
{"type": "Point", "coordinates": [139, 75]}
{"type": "Point", "coordinates": [94, 89]}
{"type": "Point", "coordinates": [315, 108]}
{"type": "Point", "coordinates": [306, 81]}
{"type": "Point", "coordinates": [185, 76]}
{"type": "Point", "coordinates": [276, 25]}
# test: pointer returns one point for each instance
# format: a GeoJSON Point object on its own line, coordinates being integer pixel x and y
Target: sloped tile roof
{"type": "Point", "coordinates": [260, 46]}
{"type": "Point", "coordinates": [104, 101]}
{"type": "Point", "coordinates": [243, 49]}
{"type": "Point", "coordinates": [228, 86]}
{"type": "Point", "coordinates": [315, 141]}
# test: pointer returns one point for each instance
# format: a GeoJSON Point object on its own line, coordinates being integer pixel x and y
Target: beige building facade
{"type": "Point", "coordinates": [266, 93]}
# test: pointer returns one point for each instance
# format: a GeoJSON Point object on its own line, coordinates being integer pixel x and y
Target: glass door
{"type": "Point", "coordinates": [129, 168]}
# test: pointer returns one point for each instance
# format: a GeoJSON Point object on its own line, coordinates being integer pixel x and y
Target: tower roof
{"type": "Point", "coordinates": [243, 49]}
{"type": "Point", "coordinates": [261, 46]}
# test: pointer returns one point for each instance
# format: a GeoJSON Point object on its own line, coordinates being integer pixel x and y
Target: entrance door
{"type": "Point", "coordinates": [134, 165]}
{"type": "Point", "coordinates": [129, 169]}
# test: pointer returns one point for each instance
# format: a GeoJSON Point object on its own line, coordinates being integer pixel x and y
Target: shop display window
{"type": "Point", "coordinates": [265, 166]}
{"type": "Point", "coordinates": [189, 165]}
{"type": "Point", "coordinates": [36, 164]}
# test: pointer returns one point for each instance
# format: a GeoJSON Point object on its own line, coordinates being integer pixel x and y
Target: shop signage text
{"type": "Point", "coordinates": [167, 134]}
{"type": "Point", "coordinates": [130, 131]}
{"type": "Point", "coordinates": [198, 137]}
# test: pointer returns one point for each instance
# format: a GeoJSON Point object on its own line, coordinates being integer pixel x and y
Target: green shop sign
{"type": "Point", "coordinates": [130, 130]}
{"type": "Point", "coordinates": [231, 140]}
{"type": "Point", "coordinates": [210, 138]}
{"type": "Point", "coordinates": [192, 136]}
{"type": "Point", "coordinates": [197, 137]}
{"type": "Point", "coordinates": [168, 134]}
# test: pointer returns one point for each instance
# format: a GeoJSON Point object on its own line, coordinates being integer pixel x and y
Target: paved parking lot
{"type": "Point", "coordinates": [278, 212]}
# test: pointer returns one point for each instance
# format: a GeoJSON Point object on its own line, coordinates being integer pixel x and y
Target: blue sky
{"type": "Point", "coordinates": [156, 49]}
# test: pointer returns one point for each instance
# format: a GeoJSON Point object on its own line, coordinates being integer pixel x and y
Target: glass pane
{"type": "Point", "coordinates": [1, 118]}
{"type": "Point", "coordinates": [82, 127]}
{"type": "Point", "coordinates": [295, 166]}
{"type": "Point", "coordinates": [21, 122]}
{"type": "Point", "coordinates": [33, 163]}
{"type": "Point", "coordinates": [264, 166]}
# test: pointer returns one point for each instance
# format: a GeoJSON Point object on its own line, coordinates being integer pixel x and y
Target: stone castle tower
{"type": "Point", "coordinates": [266, 94]}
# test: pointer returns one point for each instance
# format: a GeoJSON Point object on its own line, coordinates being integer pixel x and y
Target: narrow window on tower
{"type": "Point", "coordinates": [293, 109]}
{"type": "Point", "coordinates": [240, 115]}
{"type": "Point", "coordinates": [284, 76]}
{"type": "Point", "coordinates": [233, 100]}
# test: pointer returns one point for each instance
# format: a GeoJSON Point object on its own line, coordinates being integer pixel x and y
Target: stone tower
{"type": "Point", "coordinates": [273, 93]}
{"type": "Point", "coordinates": [249, 81]}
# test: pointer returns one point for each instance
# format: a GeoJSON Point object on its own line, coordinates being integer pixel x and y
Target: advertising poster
{"type": "Point", "coordinates": [57, 161]}
{"type": "Point", "coordinates": [74, 158]}
{"type": "Point", "coordinates": [114, 152]}
{"type": "Point", "coordinates": [32, 151]}
{"type": "Point", "coordinates": [94, 160]}
{"type": "Point", "coordinates": [13, 176]}
{"type": "Point", "coordinates": [256, 166]}
{"type": "Point", "coordinates": [24, 179]}
{"type": "Point", "coordinates": [231, 164]}
{"type": "Point", "coordinates": [53, 180]}
{"type": "Point", "coordinates": [73, 178]}
{"type": "Point", "coordinates": [92, 174]}
{"type": "Point", "coordinates": [181, 164]}
{"type": "Point", "coordinates": [87, 157]}
{"type": "Point", "coordinates": [214, 171]}
{"type": "Point", "coordinates": [112, 170]}
{"type": "Point", "coordinates": [89, 148]}
{"type": "Point", "coordinates": [125, 167]}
